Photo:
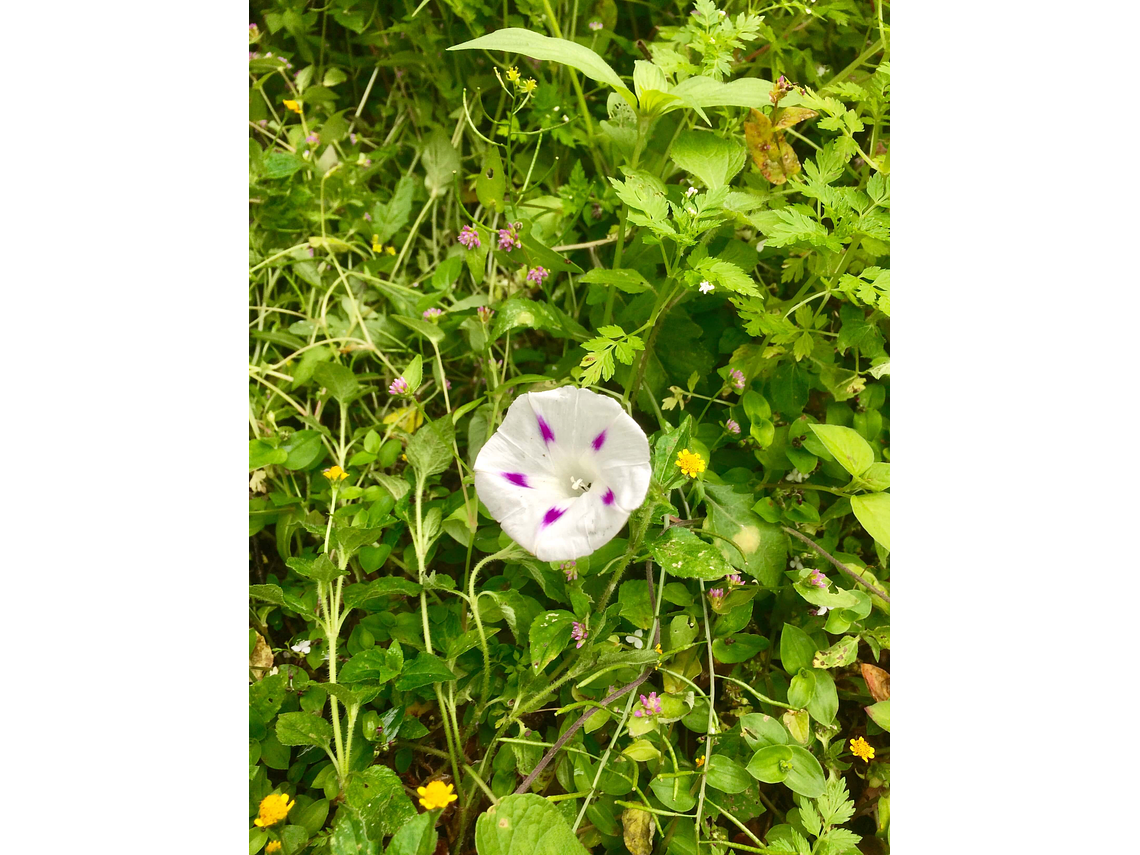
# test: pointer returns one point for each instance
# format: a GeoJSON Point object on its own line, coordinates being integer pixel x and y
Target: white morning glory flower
{"type": "Point", "coordinates": [563, 472]}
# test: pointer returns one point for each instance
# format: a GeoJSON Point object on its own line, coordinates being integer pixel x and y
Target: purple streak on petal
{"type": "Point", "coordinates": [608, 498]}
{"type": "Point", "coordinates": [516, 478]}
{"type": "Point", "coordinates": [551, 516]}
{"type": "Point", "coordinates": [599, 441]}
{"type": "Point", "coordinates": [547, 433]}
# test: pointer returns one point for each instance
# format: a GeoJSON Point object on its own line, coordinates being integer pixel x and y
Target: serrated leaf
{"type": "Point", "coordinates": [424, 670]}
{"type": "Point", "coordinates": [338, 379]}
{"type": "Point", "coordinates": [301, 728]}
{"type": "Point", "coordinates": [549, 636]}
{"type": "Point", "coordinates": [525, 825]}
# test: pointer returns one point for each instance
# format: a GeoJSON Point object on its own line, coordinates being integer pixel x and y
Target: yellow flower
{"type": "Point", "coordinates": [700, 762]}
{"type": "Point", "coordinates": [513, 74]}
{"type": "Point", "coordinates": [335, 473]}
{"type": "Point", "coordinates": [657, 647]}
{"type": "Point", "coordinates": [691, 463]}
{"type": "Point", "coordinates": [273, 846]}
{"type": "Point", "coordinates": [293, 105]}
{"type": "Point", "coordinates": [862, 750]}
{"type": "Point", "coordinates": [529, 85]}
{"type": "Point", "coordinates": [376, 245]}
{"type": "Point", "coordinates": [436, 795]}
{"type": "Point", "coordinates": [391, 250]}
{"type": "Point", "coordinates": [274, 808]}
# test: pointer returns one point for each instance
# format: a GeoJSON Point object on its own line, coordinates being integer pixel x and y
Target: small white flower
{"type": "Point", "coordinates": [272, 670]}
{"type": "Point", "coordinates": [691, 192]}
{"type": "Point", "coordinates": [796, 563]}
{"type": "Point", "coordinates": [692, 211]}
{"type": "Point", "coordinates": [706, 287]}
{"type": "Point", "coordinates": [563, 472]}
{"type": "Point", "coordinates": [635, 639]}
{"type": "Point", "coordinates": [302, 647]}
{"type": "Point", "coordinates": [796, 476]}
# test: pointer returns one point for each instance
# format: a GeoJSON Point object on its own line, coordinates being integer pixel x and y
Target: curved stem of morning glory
{"type": "Point", "coordinates": [629, 687]}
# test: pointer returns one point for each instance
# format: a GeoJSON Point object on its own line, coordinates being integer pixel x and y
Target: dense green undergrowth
{"type": "Point", "coordinates": [681, 207]}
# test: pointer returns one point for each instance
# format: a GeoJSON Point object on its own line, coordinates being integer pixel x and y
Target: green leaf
{"type": "Point", "coordinates": [538, 46]}
{"type": "Point", "coordinates": [714, 160]}
{"type": "Point", "coordinates": [301, 728]}
{"type": "Point", "coordinates": [726, 775]}
{"type": "Point", "coordinates": [424, 670]}
{"type": "Point", "coordinates": [360, 593]}
{"type": "Point", "coordinates": [725, 274]}
{"type": "Point", "coordinates": [320, 569]}
{"type": "Point", "coordinates": [441, 161]}
{"type": "Point", "coordinates": [681, 553]}
{"type": "Point", "coordinates": [414, 374]}
{"type": "Point", "coordinates": [262, 454]}
{"type": "Point", "coordinates": [431, 332]}
{"type": "Point", "coordinates": [624, 279]}
{"type": "Point", "coordinates": [700, 91]}
{"type": "Point", "coordinates": [377, 795]}
{"type": "Point", "coordinates": [790, 765]}
{"type": "Point", "coordinates": [549, 636]}
{"type": "Point", "coordinates": [374, 665]}
{"type": "Point", "coordinates": [303, 448]}
{"type": "Point", "coordinates": [759, 730]}
{"type": "Point", "coordinates": [665, 450]}
{"type": "Point", "coordinates": [492, 181]}
{"type": "Point", "coordinates": [738, 648]}
{"type": "Point", "coordinates": [880, 714]}
{"type": "Point", "coordinates": [756, 546]}
{"type": "Point", "coordinates": [339, 380]}
{"type": "Point", "coordinates": [839, 655]}
{"type": "Point", "coordinates": [644, 192]}
{"type": "Point", "coordinates": [525, 825]}
{"type": "Point", "coordinates": [349, 837]}
{"type": "Point", "coordinates": [388, 218]}
{"type": "Point", "coordinates": [281, 165]}
{"type": "Point", "coordinates": [429, 451]}
{"type": "Point", "coordinates": [268, 593]}
{"type": "Point", "coordinates": [874, 512]}
{"type": "Point", "coordinates": [846, 446]}
{"type": "Point", "coordinates": [796, 649]}
{"type": "Point", "coordinates": [416, 837]}
{"type": "Point", "coordinates": [674, 793]}
{"type": "Point", "coordinates": [824, 703]}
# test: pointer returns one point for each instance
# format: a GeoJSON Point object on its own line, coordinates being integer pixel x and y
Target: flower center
{"type": "Point", "coordinates": [577, 484]}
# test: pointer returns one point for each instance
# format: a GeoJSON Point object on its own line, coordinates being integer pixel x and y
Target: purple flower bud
{"type": "Point", "coordinates": [432, 314]}
{"type": "Point", "coordinates": [367, 217]}
{"type": "Point", "coordinates": [313, 139]}
{"type": "Point", "coordinates": [595, 25]}
{"type": "Point", "coordinates": [817, 579]}
{"type": "Point", "coordinates": [509, 239]}
{"type": "Point", "coordinates": [537, 275]}
{"type": "Point", "coordinates": [352, 138]}
{"type": "Point", "coordinates": [469, 237]}
{"type": "Point", "coordinates": [732, 426]}
{"type": "Point", "coordinates": [737, 379]}
{"type": "Point", "coordinates": [399, 386]}
{"type": "Point", "coordinates": [485, 314]}
{"type": "Point", "coordinates": [579, 634]}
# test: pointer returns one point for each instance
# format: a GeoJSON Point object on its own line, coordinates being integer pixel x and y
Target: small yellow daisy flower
{"type": "Point", "coordinates": [436, 795]}
{"type": "Point", "coordinates": [292, 105]}
{"type": "Point", "coordinates": [691, 463]}
{"type": "Point", "coordinates": [334, 473]}
{"type": "Point", "coordinates": [272, 846]}
{"type": "Point", "coordinates": [274, 808]}
{"type": "Point", "coordinates": [513, 74]}
{"type": "Point", "coordinates": [861, 749]}
{"type": "Point", "coordinates": [529, 85]}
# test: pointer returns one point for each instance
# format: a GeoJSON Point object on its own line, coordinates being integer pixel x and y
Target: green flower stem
{"type": "Point", "coordinates": [482, 784]}
{"type": "Point", "coordinates": [710, 729]}
{"type": "Point", "coordinates": [737, 823]}
{"type": "Point", "coordinates": [473, 601]}
{"type": "Point", "coordinates": [843, 568]}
